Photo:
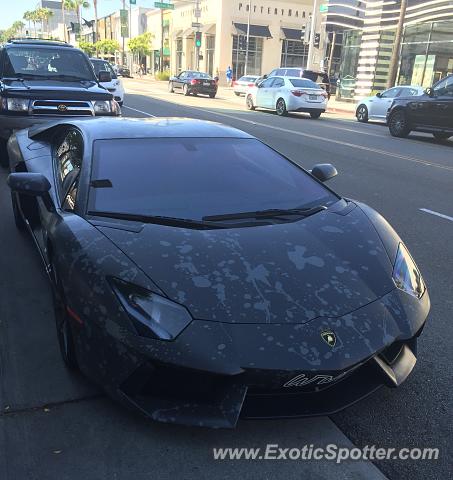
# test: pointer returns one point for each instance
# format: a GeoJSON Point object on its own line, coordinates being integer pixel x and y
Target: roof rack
{"type": "Point", "coordinates": [37, 41]}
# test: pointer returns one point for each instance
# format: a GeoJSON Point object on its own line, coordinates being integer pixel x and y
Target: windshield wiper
{"type": "Point", "coordinates": [158, 220]}
{"type": "Point", "coordinates": [270, 213]}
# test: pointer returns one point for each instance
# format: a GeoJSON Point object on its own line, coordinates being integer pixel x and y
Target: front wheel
{"type": "Point", "coordinates": [441, 136]}
{"type": "Point", "coordinates": [170, 87]}
{"type": "Point", "coordinates": [212, 95]}
{"type": "Point", "coordinates": [362, 113]}
{"type": "Point", "coordinates": [315, 115]}
{"type": "Point", "coordinates": [62, 321]}
{"type": "Point", "coordinates": [398, 124]}
{"type": "Point", "coordinates": [4, 162]}
{"type": "Point", "coordinates": [185, 90]}
{"type": "Point", "coordinates": [249, 103]}
{"type": "Point", "coordinates": [281, 108]}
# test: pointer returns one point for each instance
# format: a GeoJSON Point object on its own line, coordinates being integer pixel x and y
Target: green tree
{"type": "Point", "coordinates": [28, 17]}
{"type": "Point", "coordinates": [107, 46]}
{"type": "Point", "coordinates": [88, 48]}
{"type": "Point", "coordinates": [141, 44]}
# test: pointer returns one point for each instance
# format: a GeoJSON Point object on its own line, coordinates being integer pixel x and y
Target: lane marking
{"type": "Point", "coordinates": [139, 111]}
{"type": "Point", "coordinates": [315, 137]}
{"type": "Point", "coordinates": [437, 214]}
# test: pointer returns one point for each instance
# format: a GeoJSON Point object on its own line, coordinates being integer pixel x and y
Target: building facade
{"type": "Point", "coordinates": [54, 26]}
{"type": "Point", "coordinates": [368, 31]}
{"type": "Point", "coordinates": [276, 31]}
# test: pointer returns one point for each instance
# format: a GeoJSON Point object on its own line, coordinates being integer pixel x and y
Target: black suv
{"type": "Point", "coordinates": [43, 80]}
{"type": "Point", "coordinates": [432, 112]}
{"type": "Point", "coordinates": [321, 78]}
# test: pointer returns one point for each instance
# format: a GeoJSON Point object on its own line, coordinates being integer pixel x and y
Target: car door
{"type": "Point", "coordinates": [276, 91]}
{"type": "Point", "coordinates": [179, 81]}
{"type": "Point", "coordinates": [263, 93]}
{"type": "Point", "coordinates": [380, 105]}
{"type": "Point", "coordinates": [442, 104]}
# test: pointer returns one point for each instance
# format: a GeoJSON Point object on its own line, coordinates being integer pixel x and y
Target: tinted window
{"type": "Point", "coordinates": [292, 72]}
{"type": "Point", "coordinates": [445, 87]}
{"type": "Point", "coordinates": [192, 178]}
{"type": "Point", "coordinates": [267, 83]}
{"type": "Point", "coordinates": [392, 93]}
{"type": "Point", "coordinates": [278, 83]}
{"type": "Point", "coordinates": [102, 66]}
{"type": "Point", "coordinates": [47, 62]}
{"type": "Point", "coordinates": [304, 83]}
{"type": "Point", "coordinates": [201, 75]}
{"type": "Point", "coordinates": [68, 156]}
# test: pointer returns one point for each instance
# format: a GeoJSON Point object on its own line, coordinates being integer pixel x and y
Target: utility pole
{"type": "Point", "coordinates": [394, 60]}
{"type": "Point", "coordinates": [248, 38]}
{"type": "Point", "coordinates": [124, 52]}
{"type": "Point", "coordinates": [311, 44]}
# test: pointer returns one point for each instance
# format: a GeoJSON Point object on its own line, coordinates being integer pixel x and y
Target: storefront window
{"type": "Point", "coordinates": [426, 54]}
{"type": "Point", "coordinates": [349, 61]}
{"type": "Point", "coordinates": [294, 54]}
{"type": "Point", "coordinates": [179, 53]}
{"type": "Point", "coordinates": [255, 55]}
{"type": "Point", "coordinates": [210, 51]}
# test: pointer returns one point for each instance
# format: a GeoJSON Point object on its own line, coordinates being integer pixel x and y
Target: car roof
{"type": "Point", "coordinates": [12, 43]}
{"type": "Point", "coordinates": [159, 127]}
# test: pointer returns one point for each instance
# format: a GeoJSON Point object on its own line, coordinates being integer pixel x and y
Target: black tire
{"type": "Point", "coordinates": [249, 102]}
{"type": "Point", "coordinates": [398, 124]}
{"type": "Point", "coordinates": [362, 113]}
{"type": "Point", "coordinates": [170, 87]}
{"type": "Point", "coordinates": [237, 94]}
{"type": "Point", "coordinates": [441, 136]}
{"type": "Point", "coordinates": [63, 323]}
{"type": "Point", "coordinates": [315, 115]}
{"type": "Point", "coordinates": [18, 219]}
{"type": "Point", "coordinates": [280, 108]}
{"type": "Point", "coordinates": [212, 95]}
{"type": "Point", "coordinates": [4, 161]}
{"type": "Point", "coordinates": [185, 90]}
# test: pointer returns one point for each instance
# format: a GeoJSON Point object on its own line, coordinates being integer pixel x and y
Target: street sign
{"type": "Point", "coordinates": [324, 8]}
{"type": "Point", "coordinates": [196, 25]}
{"type": "Point", "coordinates": [164, 6]}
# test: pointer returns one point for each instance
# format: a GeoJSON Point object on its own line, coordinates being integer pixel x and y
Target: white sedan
{"type": "Point", "coordinates": [114, 86]}
{"type": "Point", "coordinates": [288, 94]}
{"type": "Point", "coordinates": [375, 108]}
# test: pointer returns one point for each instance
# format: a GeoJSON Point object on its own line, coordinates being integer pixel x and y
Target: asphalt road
{"type": "Point", "coordinates": [57, 426]}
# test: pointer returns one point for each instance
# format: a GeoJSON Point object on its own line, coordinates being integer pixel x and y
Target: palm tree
{"type": "Point", "coordinates": [28, 17]}
{"type": "Point", "coordinates": [18, 27]}
{"type": "Point", "coordinates": [45, 14]}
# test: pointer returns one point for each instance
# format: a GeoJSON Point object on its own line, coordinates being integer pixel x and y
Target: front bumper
{"type": "Point", "coordinates": [215, 373]}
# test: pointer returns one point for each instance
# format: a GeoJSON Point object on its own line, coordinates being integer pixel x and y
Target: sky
{"type": "Point", "coordinates": [12, 10]}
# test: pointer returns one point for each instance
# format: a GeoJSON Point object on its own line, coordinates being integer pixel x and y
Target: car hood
{"type": "Point", "coordinates": [56, 90]}
{"type": "Point", "coordinates": [326, 265]}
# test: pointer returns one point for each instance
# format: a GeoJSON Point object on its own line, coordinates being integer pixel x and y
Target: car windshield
{"type": "Point", "coordinates": [192, 178]}
{"type": "Point", "coordinates": [303, 83]}
{"type": "Point", "coordinates": [47, 63]}
{"type": "Point", "coordinates": [103, 66]}
{"type": "Point", "coordinates": [199, 75]}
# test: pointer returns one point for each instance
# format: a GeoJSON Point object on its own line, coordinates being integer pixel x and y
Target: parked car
{"type": "Point", "coordinates": [193, 82]}
{"type": "Point", "coordinates": [431, 113]}
{"type": "Point", "coordinates": [376, 107]}
{"type": "Point", "coordinates": [114, 86]}
{"type": "Point", "coordinates": [123, 71]}
{"type": "Point", "coordinates": [241, 86]}
{"type": "Point", "coordinates": [42, 81]}
{"type": "Point", "coordinates": [321, 78]}
{"type": "Point", "coordinates": [219, 280]}
{"type": "Point", "coordinates": [288, 94]}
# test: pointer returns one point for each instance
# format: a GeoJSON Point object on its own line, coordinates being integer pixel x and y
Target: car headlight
{"type": "Point", "coordinates": [102, 106]}
{"type": "Point", "coordinates": [17, 104]}
{"type": "Point", "coordinates": [406, 275]}
{"type": "Point", "coordinates": [153, 315]}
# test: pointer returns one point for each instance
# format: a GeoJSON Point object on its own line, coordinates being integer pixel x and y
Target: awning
{"type": "Point", "coordinates": [255, 30]}
{"type": "Point", "coordinates": [292, 34]}
{"type": "Point", "coordinates": [208, 29]}
{"type": "Point", "coordinates": [188, 33]}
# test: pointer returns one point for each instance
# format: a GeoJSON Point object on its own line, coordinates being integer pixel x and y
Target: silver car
{"type": "Point", "coordinates": [375, 108]}
{"type": "Point", "coordinates": [241, 86]}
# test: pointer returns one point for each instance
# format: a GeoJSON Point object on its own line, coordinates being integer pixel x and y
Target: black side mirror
{"type": "Point", "coordinates": [324, 171]}
{"type": "Point", "coordinates": [430, 92]}
{"type": "Point", "coordinates": [104, 76]}
{"type": "Point", "coordinates": [33, 184]}
{"type": "Point", "coordinates": [265, 76]}
{"type": "Point", "coordinates": [379, 95]}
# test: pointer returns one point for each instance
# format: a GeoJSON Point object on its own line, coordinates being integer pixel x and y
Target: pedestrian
{"type": "Point", "coordinates": [229, 76]}
{"type": "Point", "coordinates": [142, 68]}
{"type": "Point", "coordinates": [216, 77]}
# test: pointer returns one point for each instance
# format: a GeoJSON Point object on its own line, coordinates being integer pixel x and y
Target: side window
{"type": "Point", "coordinates": [70, 199]}
{"type": "Point", "coordinates": [392, 93]}
{"type": "Point", "coordinates": [445, 87]}
{"type": "Point", "coordinates": [278, 83]}
{"type": "Point", "coordinates": [273, 73]}
{"type": "Point", "coordinates": [267, 83]}
{"type": "Point", "coordinates": [68, 151]}
{"type": "Point", "coordinates": [182, 75]}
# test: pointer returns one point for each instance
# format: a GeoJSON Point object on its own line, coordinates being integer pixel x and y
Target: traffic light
{"type": "Point", "coordinates": [317, 39]}
{"type": "Point", "coordinates": [198, 39]}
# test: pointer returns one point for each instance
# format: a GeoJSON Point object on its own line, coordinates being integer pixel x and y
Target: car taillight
{"type": "Point", "coordinates": [298, 93]}
{"type": "Point", "coordinates": [193, 82]}
{"type": "Point", "coordinates": [251, 85]}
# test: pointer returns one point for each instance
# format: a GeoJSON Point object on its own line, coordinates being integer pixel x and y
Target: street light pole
{"type": "Point", "coordinates": [197, 48]}
{"type": "Point", "coordinates": [124, 52]}
{"type": "Point", "coordinates": [248, 38]}
{"type": "Point", "coordinates": [311, 44]}
{"type": "Point", "coordinates": [394, 60]}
